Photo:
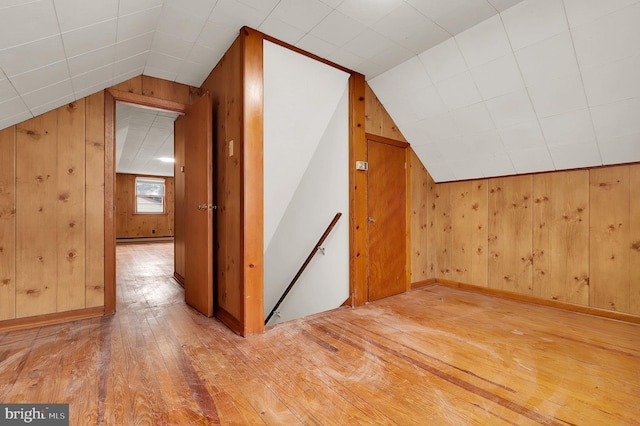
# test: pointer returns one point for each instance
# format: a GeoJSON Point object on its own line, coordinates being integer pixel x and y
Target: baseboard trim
{"type": "Point", "coordinates": [138, 240]}
{"type": "Point", "coordinates": [230, 321]}
{"type": "Point", "coordinates": [178, 278]}
{"type": "Point", "coordinates": [423, 283]}
{"type": "Point", "coordinates": [620, 316]}
{"type": "Point", "coordinates": [49, 319]}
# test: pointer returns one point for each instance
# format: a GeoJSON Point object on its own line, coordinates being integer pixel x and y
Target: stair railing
{"type": "Point", "coordinates": [318, 247]}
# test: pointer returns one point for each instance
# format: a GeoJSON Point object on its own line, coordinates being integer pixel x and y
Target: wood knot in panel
{"type": "Point", "coordinates": [71, 256]}
{"type": "Point", "coordinates": [71, 107]}
{"type": "Point", "coordinates": [33, 134]}
{"type": "Point", "coordinates": [32, 292]}
{"type": "Point", "coordinates": [71, 170]}
{"type": "Point", "coordinates": [479, 250]}
{"type": "Point", "coordinates": [475, 206]}
{"type": "Point", "coordinates": [40, 259]}
{"type": "Point", "coordinates": [6, 281]}
{"type": "Point", "coordinates": [635, 246]}
{"type": "Point", "coordinates": [64, 197]}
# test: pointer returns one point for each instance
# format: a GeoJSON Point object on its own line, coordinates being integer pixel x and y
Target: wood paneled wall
{"type": "Point", "coordinates": [131, 225]}
{"type": "Point", "coordinates": [52, 211]}
{"type": "Point", "coordinates": [225, 84]}
{"type": "Point", "coordinates": [570, 236]}
{"type": "Point", "coordinates": [47, 220]}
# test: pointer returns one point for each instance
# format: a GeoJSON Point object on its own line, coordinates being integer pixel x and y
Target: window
{"type": "Point", "coordinates": [149, 195]}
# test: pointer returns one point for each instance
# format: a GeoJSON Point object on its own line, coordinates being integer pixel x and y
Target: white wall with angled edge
{"type": "Point", "coordinates": [306, 182]}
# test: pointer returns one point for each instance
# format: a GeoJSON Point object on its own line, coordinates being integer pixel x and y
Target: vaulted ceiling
{"type": "Point", "coordinates": [478, 87]}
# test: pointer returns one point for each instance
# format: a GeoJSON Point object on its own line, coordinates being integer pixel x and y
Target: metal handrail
{"type": "Point", "coordinates": [305, 264]}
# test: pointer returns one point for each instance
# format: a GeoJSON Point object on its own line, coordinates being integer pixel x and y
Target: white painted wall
{"type": "Point", "coordinates": [306, 181]}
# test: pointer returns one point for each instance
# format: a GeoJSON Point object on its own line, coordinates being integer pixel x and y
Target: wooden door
{"type": "Point", "coordinates": [387, 211]}
{"type": "Point", "coordinates": [198, 211]}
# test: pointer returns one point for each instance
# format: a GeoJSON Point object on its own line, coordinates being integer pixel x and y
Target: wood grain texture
{"type": "Point", "coordinates": [634, 234]}
{"type": "Point", "coordinates": [432, 241]}
{"type": "Point", "coordinates": [225, 85]}
{"type": "Point", "coordinates": [253, 185]}
{"type": "Point", "coordinates": [469, 254]}
{"type": "Point", "coordinates": [561, 236]}
{"type": "Point", "coordinates": [510, 234]}
{"type": "Point", "coordinates": [70, 207]}
{"type": "Point", "coordinates": [7, 223]}
{"type": "Point", "coordinates": [377, 119]}
{"type": "Point", "coordinates": [386, 201]}
{"type": "Point", "coordinates": [133, 85]}
{"type": "Point", "coordinates": [165, 89]}
{"type": "Point", "coordinates": [435, 355]}
{"type": "Point", "coordinates": [179, 143]}
{"type": "Point", "coordinates": [358, 238]}
{"type": "Point", "coordinates": [129, 224]}
{"type": "Point", "coordinates": [419, 208]}
{"type": "Point", "coordinates": [442, 226]}
{"type": "Point", "coordinates": [36, 203]}
{"type": "Point", "coordinates": [94, 200]}
{"type": "Point", "coordinates": [609, 243]}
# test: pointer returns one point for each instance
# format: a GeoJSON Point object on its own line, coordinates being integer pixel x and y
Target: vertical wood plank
{"type": "Point", "coordinates": [442, 224]}
{"type": "Point", "coordinates": [561, 236]}
{"type": "Point", "coordinates": [609, 240]}
{"type": "Point", "coordinates": [179, 196]}
{"type": "Point", "coordinates": [133, 85]}
{"type": "Point", "coordinates": [109, 203]}
{"type": "Point", "coordinates": [432, 231]}
{"type": "Point", "coordinates": [510, 234]}
{"type": "Point", "coordinates": [36, 242]}
{"type": "Point", "coordinates": [253, 188]}
{"type": "Point", "coordinates": [95, 213]}
{"type": "Point", "coordinates": [225, 85]}
{"type": "Point", "coordinates": [165, 89]}
{"type": "Point", "coordinates": [634, 246]}
{"type": "Point", "coordinates": [419, 199]}
{"type": "Point", "coordinates": [7, 224]}
{"type": "Point", "coordinates": [70, 206]}
{"type": "Point", "coordinates": [469, 256]}
{"type": "Point", "coordinates": [358, 238]}
{"type": "Point", "coordinates": [377, 119]}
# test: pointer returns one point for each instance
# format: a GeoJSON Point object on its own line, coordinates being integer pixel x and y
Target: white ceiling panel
{"type": "Point", "coordinates": [484, 43]}
{"type": "Point", "coordinates": [73, 14]}
{"type": "Point", "coordinates": [29, 56]}
{"type": "Point", "coordinates": [531, 160]}
{"type": "Point", "coordinates": [534, 20]}
{"type": "Point", "coordinates": [28, 22]}
{"type": "Point", "coordinates": [486, 87]}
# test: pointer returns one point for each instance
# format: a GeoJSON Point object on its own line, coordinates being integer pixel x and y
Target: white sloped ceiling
{"type": "Point", "coordinates": [544, 85]}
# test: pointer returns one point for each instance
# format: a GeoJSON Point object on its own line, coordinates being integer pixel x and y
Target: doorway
{"type": "Point", "coordinates": [387, 217]}
{"type": "Point", "coordinates": [201, 118]}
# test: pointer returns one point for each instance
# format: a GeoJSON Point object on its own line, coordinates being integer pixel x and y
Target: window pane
{"type": "Point", "coordinates": [149, 195]}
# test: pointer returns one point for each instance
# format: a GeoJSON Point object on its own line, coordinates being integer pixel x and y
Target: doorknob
{"type": "Point", "coordinates": [371, 219]}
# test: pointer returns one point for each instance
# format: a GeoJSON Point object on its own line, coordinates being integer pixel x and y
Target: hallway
{"type": "Point", "coordinates": [431, 356]}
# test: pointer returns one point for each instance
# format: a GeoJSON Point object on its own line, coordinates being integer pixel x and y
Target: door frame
{"type": "Point", "coordinates": [407, 158]}
{"type": "Point", "coordinates": [111, 96]}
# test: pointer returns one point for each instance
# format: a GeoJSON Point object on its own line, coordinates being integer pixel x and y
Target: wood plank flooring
{"type": "Point", "coordinates": [434, 356]}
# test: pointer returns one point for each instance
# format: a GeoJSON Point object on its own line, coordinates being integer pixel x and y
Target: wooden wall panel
{"type": "Point", "coordinates": [419, 202]}
{"type": "Point", "coordinates": [377, 119]}
{"type": "Point", "coordinates": [432, 232]}
{"type": "Point", "coordinates": [36, 204]}
{"type": "Point", "coordinates": [164, 89]}
{"type": "Point", "coordinates": [469, 254]}
{"type": "Point", "coordinates": [133, 85]}
{"type": "Point", "coordinates": [129, 224]}
{"type": "Point", "coordinates": [634, 244]}
{"type": "Point", "coordinates": [70, 224]}
{"type": "Point", "coordinates": [510, 234]}
{"type": "Point", "coordinates": [561, 236]}
{"type": "Point", "coordinates": [225, 85]}
{"type": "Point", "coordinates": [94, 207]}
{"type": "Point", "coordinates": [7, 224]}
{"type": "Point", "coordinates": [609, 246]}
{"type": "Point", "coordinates": [442, 234]}
{"type": "Point", "coordinates": [179, 197]}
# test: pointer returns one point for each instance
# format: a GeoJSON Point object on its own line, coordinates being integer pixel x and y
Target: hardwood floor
{"type": "Point", "coordinates": [435, 355]}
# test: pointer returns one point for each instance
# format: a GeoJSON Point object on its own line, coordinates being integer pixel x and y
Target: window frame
{"type": "Point", "coordinates": [150, 179]}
